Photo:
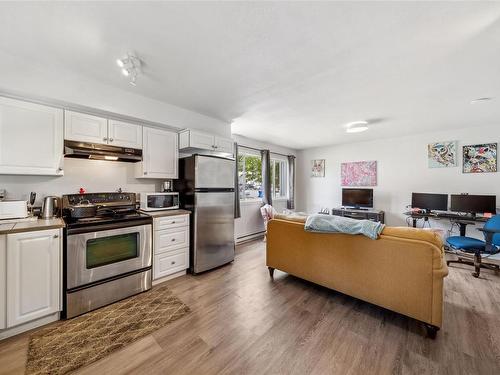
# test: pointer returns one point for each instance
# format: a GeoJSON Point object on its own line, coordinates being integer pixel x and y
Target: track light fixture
{"type": "Point", "coordinates": [130, 67]}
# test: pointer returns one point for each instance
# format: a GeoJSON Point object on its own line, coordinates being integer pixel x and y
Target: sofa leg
{"type": "Point", "coordinates": [271, 272]}
{"type": "Point", "coordinates": [431, 331]}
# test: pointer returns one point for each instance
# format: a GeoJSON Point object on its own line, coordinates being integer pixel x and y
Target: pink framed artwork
{"type": "Point", "coordinates": [358, 173]}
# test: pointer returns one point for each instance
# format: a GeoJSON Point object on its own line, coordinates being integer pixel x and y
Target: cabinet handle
{"type": "Point", "coordinates": [60, 169]}
{"type": "Point", "coordinates": [145, 173]}
{"type": "Point", "coordinates": [172, 262]}
{"type": "Point", "coordinates": [172, 222]}
{"type": "Point", "coordinates": [216, 147]}
{"type": "Point", "coordinates": [173, 240]}
{"type": "Point", "coordinates": [105, 139]}
{"type": "Point", "coordinates": [111, 139]}
{"type": "Point", "coordinates": [56, 236]}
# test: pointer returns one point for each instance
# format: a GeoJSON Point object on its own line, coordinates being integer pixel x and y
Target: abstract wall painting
{"type": "Point", "coordinates": [442, 154]}
{"type": "Point", "coordinates": [359, 173]}
{"type": "Point", "coordinates": [480, 158]}
{"type": "Point", "coordinates": [318, 168]}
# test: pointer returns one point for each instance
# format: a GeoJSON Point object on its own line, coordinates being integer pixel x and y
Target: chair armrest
{"type": "Point", "coordinates": [489, 230]}
{"type": "Point", "coordinates": [488, 236]}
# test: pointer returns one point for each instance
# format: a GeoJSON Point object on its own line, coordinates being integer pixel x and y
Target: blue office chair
{"type": "Point", "coordinates": [490, 246]}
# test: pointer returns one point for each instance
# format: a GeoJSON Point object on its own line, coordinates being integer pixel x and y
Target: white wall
{"type": "Point", "coordinates": [25, 78]}
{"type": "Point", "coordinates": [251, 221]}
{"type": "Point", "coordinates": [402, 169]}
{"type": "Point", "coordinates": [92, 175]}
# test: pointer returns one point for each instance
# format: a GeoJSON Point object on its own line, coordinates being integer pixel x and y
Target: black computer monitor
{"type": "Point", "coordinates": [357, 198]}
{"type": "Point", "coordinates": [429, 202]}
{"type": "Point", "coordinates": [474, 204]}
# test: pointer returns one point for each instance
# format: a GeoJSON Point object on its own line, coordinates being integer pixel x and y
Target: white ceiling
{"type": "Point", "coordinates": [290, 73]}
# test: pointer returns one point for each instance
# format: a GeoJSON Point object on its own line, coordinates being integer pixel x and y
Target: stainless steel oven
{"type": "Point", "coordinates": [94, 256]}
{"type": "Point", "coordinates": [107, 257]}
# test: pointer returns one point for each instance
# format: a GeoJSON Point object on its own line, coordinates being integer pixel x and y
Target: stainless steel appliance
{"type": "Point", "coordinates": [74, 149]}
{"type": "Point", "coordinates": [206, 186]}
{"type": "Point", "coordinates": [159, 201]}
{"type": "Point", "coordinates": [49, 207]}
{"type": "Point", "coordinates": [167, 185]}
{"type": "Point", "coordinates": [107, 257]}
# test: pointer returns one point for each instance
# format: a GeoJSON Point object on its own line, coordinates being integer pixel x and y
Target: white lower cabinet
{"type": "Point", "coordinates": [170, 245]}
{"type": "Point", "coordinates": [32, 275]}
{"type": "Point", "coordinates": [3, 282]}
{"type": "Point", "coordinates": [169, 263]}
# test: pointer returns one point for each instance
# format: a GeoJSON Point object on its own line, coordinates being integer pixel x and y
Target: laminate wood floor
{"type": "Point", "coordinates": [244, 323]}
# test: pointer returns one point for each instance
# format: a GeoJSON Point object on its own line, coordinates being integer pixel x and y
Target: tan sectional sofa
{"type": "Point", "coordinates": [402, 271]}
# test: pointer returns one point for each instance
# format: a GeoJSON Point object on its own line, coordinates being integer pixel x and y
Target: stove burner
{"type": "Point", "coordinates": [112, 208]}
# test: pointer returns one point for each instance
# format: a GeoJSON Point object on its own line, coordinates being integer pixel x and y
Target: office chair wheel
{"type": "Point", "coordinates": [475, 274]}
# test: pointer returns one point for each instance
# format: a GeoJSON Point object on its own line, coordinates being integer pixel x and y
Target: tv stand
{"type": "Point", "coordinates": [360, 214]}
{"type": "Point", "coordinates": [355, 208]}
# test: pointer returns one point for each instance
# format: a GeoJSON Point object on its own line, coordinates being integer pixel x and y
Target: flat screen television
{"type": "Point", "coordinates": [357, 198]}
{"type": "Point", "coordinates": [474, 204]}
{"type": "Point", "coordinates": [429, 201]}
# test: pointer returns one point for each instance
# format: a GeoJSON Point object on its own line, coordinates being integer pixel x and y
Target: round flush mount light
{"type": "Point", "coordinates": [480, 100]}
{"type": "Point", "coordinates": [356, 127]}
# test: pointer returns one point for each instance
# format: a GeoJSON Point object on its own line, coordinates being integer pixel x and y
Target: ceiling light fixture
{"type": "Point", "coordinates": [479, 100]}
{"type": "Point", "coordinates": [130, 67]}
{"type": "Point", "coordinates": [356, 127]}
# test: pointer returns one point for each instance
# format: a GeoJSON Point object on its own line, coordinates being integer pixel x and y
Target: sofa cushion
{"type": "Point", "coordinates": [414, 234]}
{"type": "Point", "coordinates": [298, 218]}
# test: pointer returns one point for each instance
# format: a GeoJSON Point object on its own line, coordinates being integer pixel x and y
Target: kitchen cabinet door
{"type": "Point", "coordinates": [224, 145]}
{"type": "Point", "coordinates": [160, 154]}
{"type": "Point", "coordinates": [3, 285]}
{"type": "Point", "coordinates": [31, 138]}
{"type": "Point", "coordinates": [168, 263]}
{"type": "Point", "coordinates": [124, 134]}
{"type": "Point", "coordinates": [81, 127]}
{"type": "Point", "coordinates": [33, 275]}
{"type": "Point", "coordinates": [201, 140]}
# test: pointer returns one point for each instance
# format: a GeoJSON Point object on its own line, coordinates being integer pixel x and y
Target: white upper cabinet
{"type": "Point", "coordinates": [224, 145]}
{"type": "Point", "coordinates": [194, 140]}
{"type": "Point", "coordinates": [33, 275]}
{"type": "Point", "coordinates": [31, 138]}
{"type": "Point", "coordinates": [124, 134]}
{"type": "Point", "coordinates": [199, 140]}
{"type": "Point", "coordinates": [160, 154]}
{"type": "Point", "coordinates": [81, 127]}
{"type": "Point", "coordinates": [85, 128]}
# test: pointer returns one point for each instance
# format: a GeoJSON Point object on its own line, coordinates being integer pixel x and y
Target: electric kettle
{"type": "Point", "coordinates": [49, 207]}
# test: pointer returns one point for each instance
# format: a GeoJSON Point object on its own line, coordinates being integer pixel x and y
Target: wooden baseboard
{"type": "Point", "coordinates": [250, 237]}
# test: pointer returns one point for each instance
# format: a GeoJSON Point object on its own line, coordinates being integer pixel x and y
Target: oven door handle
{"type": "Point", "coordinates": [99, 228]}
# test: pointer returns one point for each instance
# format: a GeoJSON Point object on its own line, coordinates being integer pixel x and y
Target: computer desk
{"type": "Point", "coordinates": [461, 220]}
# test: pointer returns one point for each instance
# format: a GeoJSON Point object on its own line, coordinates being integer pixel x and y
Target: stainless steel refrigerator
{"type": "Point", "coordinates": [206, 186]}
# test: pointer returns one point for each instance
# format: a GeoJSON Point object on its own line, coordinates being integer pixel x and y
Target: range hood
{"type": "Point", "coordinates": [95, 151]}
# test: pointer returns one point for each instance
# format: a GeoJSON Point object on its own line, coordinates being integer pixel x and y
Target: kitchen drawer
{"type": "Point", "coordinates": [169, 263]}
{"type": "Point", "coordinates": [167, 222]}
{"type": "Point", "coordinates": [171, 239]}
